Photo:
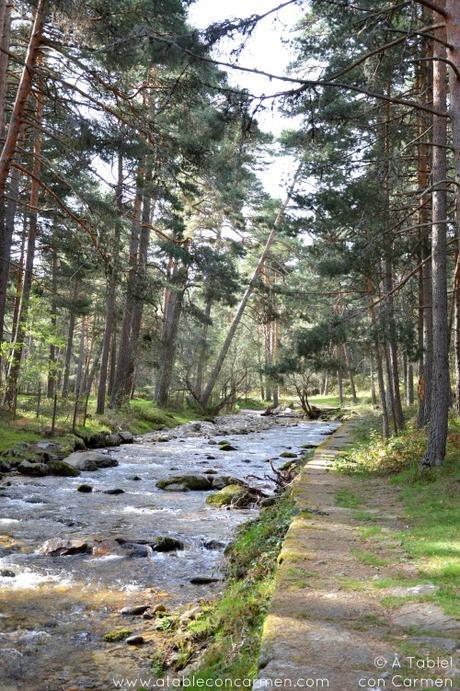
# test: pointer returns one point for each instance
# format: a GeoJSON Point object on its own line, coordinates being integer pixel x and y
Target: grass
{"type": "Point", "coordinates": [231, 627]}
{"type": "Point", "coordinates": [431, 504]}
{"type": "Point", "coordinates": [347, 499]}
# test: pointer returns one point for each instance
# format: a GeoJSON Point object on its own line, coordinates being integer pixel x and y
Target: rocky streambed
{"type": "Point", "coordinates": [81, 556]}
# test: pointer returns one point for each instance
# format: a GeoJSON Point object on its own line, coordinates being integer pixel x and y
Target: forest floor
{"type": "Point", "coordinates": [367, 591]}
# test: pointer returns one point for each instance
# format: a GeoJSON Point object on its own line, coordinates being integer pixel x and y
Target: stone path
{"type": "Point", "coordinates": [327, 626]}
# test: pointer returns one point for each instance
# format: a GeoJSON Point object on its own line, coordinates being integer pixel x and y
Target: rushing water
{"type": "Point", "coordinates": [55, 611]}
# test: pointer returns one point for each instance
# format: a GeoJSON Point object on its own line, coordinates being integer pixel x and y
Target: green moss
{"type": "Point", "coordinates": [226, 496]}
{"type": "Point", "coordinates": [117, 635]}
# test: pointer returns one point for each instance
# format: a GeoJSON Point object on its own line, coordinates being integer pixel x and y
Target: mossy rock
{"type": "Point", "coordinates": [227, 447]}
{"type": "Point", "coordinates": [228, 495]}
{"type": "Point", "coordinates": [62, 469]}
{"type": "Point", "coordinates": [288, 454]}
{"type": "Point", "coordinates": [117, 635]}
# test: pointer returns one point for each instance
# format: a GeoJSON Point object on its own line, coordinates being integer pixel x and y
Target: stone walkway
{"type": "Point", "coordinates": [327, 626]}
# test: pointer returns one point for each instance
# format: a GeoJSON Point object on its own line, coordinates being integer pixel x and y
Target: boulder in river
{"type": "Point", "coordinates": [86, 489]}
{"type": "Point", "coordinates": [221, 481]}
{"type": "Point", "coordinates": [167, 544]}
{"type": "Point", "coordinates": [90, 460]}
{"type": "Point", "coordinates": [228, 495]}
{"type": "Point", "coordinates": [60, 547]}
{"type": "Point", "coordinates": [61, 468]}
{"type": "Point", "coordinates": [195, 483]}
{"type": "Point", "coordinates": [33, 469]}
{"type": "Point", "coordinates": [226, 446]}
{"type": "Point", "coordinates": [115, 490]}
{"type": "Point", "coordinates": [126, 437]}
{"type": "Point", "coordinates": [6, 573]}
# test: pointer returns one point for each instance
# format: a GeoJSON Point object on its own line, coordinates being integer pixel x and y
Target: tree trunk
{"type": "Point", "coordinates": [173, 312]}
{"type": "Point", "coordinates": [392, 351]}
{"type": "Point", "coordinates": [13, 378]}
{"type": "Point", "coordinates": [453, 55]}
{"type": "Point", "coordinates": [340, 386]}
{"type": "Point", "coordinates": [203, 351]}
{"type": "Point", "coordinates": [379, 364]}
{"type": "Point", "coordinates": [207, 393]}
{"type": "Point", "coordinates": [346, 354]}
{"type": "Point", "coordinates": [139, 285]}
{"type": "Point", "coordinates": [111, 297]}
{"type": "Point", "coordinates": [52, 359]}
{"type": "Point", "coordinates": [22, 94]}
{"type": "Point", "coordinates": [68, 354]}
{"type": "Point", "coordinates": [440, 392]}
{"type": "Point", "coordinates": [371, 374]}
{"type": "Point", "coordinates": [119, 391]}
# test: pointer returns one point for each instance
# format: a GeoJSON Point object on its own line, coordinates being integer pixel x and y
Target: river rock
{"type": "Point", "coordinates": [186, 482]}
{"type": "Point", "coordinates": [204, 580]}
{"type": "Point", "coordinates": [116, 490]}
{"type": "Point", "coordinates": [214, 544]}
{"type": "Point", "coordinates": [84, 488]}
{"type": "Point", "coordinates": [135, 640]}
{"type": "Point", "coordinates": [62, 468]}
{"type": "Point", "coordinates": [5, 466]}
{"type": "Point", "coordinates": [167, 544]}
{"type": "Point", "coordinates": [32, 469]}
{"type": "Point", "coordinates": [59, 547]}
{"type": "Point", "coordinates": [6, 573]}
{"type": "Point", "coordinates": [227, 447]}
{"type": "Point", "coordinates": [229, 495]}
{"type": "Point", "coordinates": [135, 611]}
{"type": "Point", "coordinates": [221, 481]}
{"type": "Point", "coordinates": [126, 437]}
{"type": "Point", "coordinates": [90, 460]}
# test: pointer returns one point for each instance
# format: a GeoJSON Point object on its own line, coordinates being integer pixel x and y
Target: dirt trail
{"type": "Point", "coordinates": [329, 624]}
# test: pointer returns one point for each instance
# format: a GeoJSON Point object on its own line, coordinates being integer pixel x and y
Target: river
{"type": "Point", "coordinates": [56, 609]}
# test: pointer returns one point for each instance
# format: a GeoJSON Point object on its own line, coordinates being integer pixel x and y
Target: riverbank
{"type": "Point", "coordinates": [25, 441]}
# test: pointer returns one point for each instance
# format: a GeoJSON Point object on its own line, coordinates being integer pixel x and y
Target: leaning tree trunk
{"type": "Point", "coordinates": [207, 393]}
{"type": "Point", "coordinates": [22, 94]}
{"type": "Point", "coordinates": [437, 436]}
